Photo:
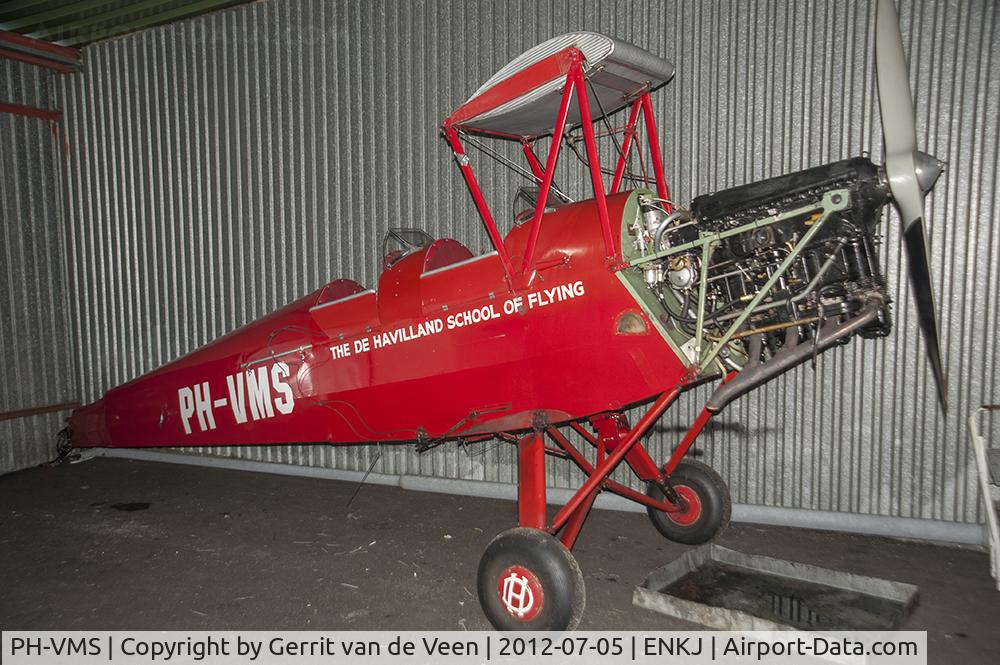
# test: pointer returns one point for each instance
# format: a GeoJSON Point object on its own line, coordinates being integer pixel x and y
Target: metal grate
{"type": "Point", "coordinates": [793, 610]}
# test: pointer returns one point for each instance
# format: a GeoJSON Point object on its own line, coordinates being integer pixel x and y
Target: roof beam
{"type": "Point", "coordinates": [37, 52]}
{"type": "Point", "coordinates": [29, 112]}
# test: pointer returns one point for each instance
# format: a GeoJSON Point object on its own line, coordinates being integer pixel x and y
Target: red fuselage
{"type": "Point", "coordinates": [445, 348]}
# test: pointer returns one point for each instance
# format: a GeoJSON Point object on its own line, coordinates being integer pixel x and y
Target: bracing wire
{"type": "Point", "coordinates": [514, 166]}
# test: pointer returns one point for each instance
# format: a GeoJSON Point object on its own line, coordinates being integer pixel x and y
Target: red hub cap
{"type": "Point", "coordinates": [520, 593]}
{"type": "Point", "coordinates": [691, 514]}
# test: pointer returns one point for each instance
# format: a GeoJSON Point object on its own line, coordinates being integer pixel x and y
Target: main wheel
{"type": "Point", "coordinates": [528, 580]}
{"type": "Point", "coordinates": [708, 504]}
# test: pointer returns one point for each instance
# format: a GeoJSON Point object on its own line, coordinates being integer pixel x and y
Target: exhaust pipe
{"type": "Point", "coordinates": [756, 374]}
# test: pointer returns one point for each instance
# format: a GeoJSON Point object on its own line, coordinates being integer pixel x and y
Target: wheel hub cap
{"type": "Point", "coordinates": [693, 512]}
{"type": "Point", "coordinates": [520, 592]}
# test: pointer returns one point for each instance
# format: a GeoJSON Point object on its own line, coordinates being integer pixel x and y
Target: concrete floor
{"type": "Point", "coordinates": [139, 545]}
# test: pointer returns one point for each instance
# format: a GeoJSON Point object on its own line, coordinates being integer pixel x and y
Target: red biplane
{"type": "Point", "coordinates": [647, 297]}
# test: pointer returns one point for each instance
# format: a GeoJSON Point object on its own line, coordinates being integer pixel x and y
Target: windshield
{"type": "Point", "coordinates": [400, 242]}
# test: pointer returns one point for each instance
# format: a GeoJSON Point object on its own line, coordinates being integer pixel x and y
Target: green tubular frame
{"type": "Point", "coordinates": [832, 201]}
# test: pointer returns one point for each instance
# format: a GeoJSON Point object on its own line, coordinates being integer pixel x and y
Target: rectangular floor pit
{"type": "Point", "coordinates": [729, 590]}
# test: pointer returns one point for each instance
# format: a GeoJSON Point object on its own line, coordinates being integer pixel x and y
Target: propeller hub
{"type": "Point", "coordinates": [928, 169]}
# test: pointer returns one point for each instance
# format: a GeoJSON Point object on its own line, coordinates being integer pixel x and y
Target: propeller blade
{"type": "Point", "coordinates": [894, 100]}
{"type": "Point", "coordinates": [910, 174]}
{"type": "Point", "coordinates": [920, 281]}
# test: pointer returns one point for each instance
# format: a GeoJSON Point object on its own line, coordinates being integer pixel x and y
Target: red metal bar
{"type": "Point", "coordinates": [570, 450]}
{"type": "Point", "coordinates": [612, 486]}
{"type": "Point", "coordinates": [550, 170]}
{"type": "Point", "coordinates": [30, 111]}
{"type": "Point", "coordinates": [531, 481]}
{"type": "Point", "coordinates": [604, 470]}
{"type": "Point", "coordinates": [578, 428]}
{"type": "Point", "coordinates": [591, 440]}
{"type": "Point", "coordinates": [35, 60]}
{"type": "Point", "coordinates": [610, 246]}
{"type": "Point", "coordinates": [555, 452]}
{"type": "Point", "coordinates": [37, 52]}
{"type": "Point", "coordinates": [579, 516]}
{"type": "Point", "coordinates": [17, 39]}
{"type": "Point", "coordinates": [642, 464]}
{"type": "Point", "coordinates": [692, 434]}
{"type": "Point", "coordinates": [633, 118]}
{"type": "Point", "coordinates": [480, 200]}
{"type": "Point", "coordinates": [576, 520]}
{"type": "Point", "coordinates": [533, 162]}
{"type": "Point", "coordinates": [699, 424]}
{"type": "Point", "coordinates": [654, 147]}
{"type": "Point", "coordinates": [639, 497]}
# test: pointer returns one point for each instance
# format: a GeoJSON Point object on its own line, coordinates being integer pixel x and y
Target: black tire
{"type": "Point", "coordinates": [542, 577]}
{"type": "Point", "coordinates": [709, 509]}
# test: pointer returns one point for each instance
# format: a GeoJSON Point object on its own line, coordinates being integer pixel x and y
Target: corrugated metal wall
{"type": "Point", "coordinates": [36, 368]}
{"type": "Point", "coordinates": [222, 166]}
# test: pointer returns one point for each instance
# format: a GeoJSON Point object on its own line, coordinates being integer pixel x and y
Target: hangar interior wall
{"type": "Point", "coordinates": [36, 367]}
{"type": "Point", "coordinates": [219, 167]}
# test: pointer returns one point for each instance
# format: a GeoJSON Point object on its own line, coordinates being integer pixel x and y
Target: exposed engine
{"type": "Point", "coordinates": [755, 229]}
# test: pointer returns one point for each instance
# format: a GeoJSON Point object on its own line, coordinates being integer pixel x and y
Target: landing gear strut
{"type": "Point", "coordinates": [528, 579]}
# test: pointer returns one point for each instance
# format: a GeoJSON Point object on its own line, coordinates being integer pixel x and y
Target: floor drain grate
{"type": "Point", "coordinates": [792, 610]}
